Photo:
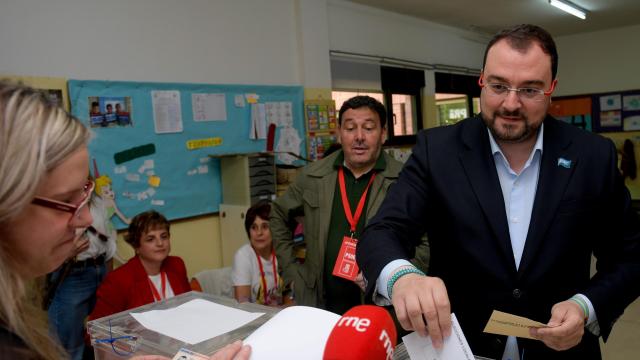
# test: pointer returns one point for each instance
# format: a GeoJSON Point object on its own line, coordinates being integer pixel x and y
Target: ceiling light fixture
{"type": "Point", "coordinates": [569, 7]}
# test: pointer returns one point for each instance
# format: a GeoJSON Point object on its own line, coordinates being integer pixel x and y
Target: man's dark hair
{"type": "Point", "coordinates": [261, 209]}
{"type": "Point", "coordinates": [143, 222]}
{"type": "Point", "coordinates": [361, 101]}
{"type": "Point", "coordinates": [521, 37]}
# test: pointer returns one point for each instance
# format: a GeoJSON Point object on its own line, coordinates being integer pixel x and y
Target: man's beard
{"type": "Point", "coordinates": [512, 133]}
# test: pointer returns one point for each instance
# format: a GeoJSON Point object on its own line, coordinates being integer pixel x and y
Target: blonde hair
{"type": "Point", "coordinates": [101, 181]}
{"type": "Point", "coordinates": [35, 137]}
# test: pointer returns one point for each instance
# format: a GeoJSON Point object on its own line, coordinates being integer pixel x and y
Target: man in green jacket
{"type": "Point", "coordinates": [330, 234]}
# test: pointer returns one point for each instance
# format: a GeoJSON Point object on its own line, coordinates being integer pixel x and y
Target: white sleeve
{"type": "Point", "coordinates": [241, 272]}
{"type": "Point", "coordinates": [387, 270]}
{"type": "Point", "coordinates": [111, 247]}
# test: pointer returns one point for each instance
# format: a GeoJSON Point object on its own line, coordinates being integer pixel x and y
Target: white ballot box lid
{"type": "Point", "coordinates": [120, 335]}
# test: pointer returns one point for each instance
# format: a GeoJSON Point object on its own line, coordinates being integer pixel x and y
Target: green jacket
{"type": "Point", "coordinates": [313, 192]}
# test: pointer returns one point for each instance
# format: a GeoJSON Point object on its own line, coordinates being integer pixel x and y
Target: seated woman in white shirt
{"type": "Point", "coordinates": [255, 273]}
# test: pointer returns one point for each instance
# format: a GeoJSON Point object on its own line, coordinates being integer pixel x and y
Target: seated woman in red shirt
{"type": "Point", "coordinates": [151, 275]}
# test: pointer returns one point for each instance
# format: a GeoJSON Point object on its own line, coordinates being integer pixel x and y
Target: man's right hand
{"type": "Point", "coordinates": [417, 298]}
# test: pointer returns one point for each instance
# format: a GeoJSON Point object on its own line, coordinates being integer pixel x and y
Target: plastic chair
{"type": "Point", "coordinates": [214, 282]}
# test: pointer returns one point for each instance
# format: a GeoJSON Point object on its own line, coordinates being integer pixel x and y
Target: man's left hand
{"type": "Point", "coordinates": [566, 327]}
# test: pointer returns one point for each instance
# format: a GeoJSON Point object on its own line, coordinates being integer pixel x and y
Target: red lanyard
{"type": "Point", "coordinates": [154, 290]}
{"type": "Point", "coordinates": [353, 219]}
{"type": "Point", "coordinates": [262, 276]}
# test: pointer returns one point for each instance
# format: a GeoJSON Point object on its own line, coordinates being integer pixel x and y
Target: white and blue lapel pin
{"type": "Point", "coordinates": [564, 163]}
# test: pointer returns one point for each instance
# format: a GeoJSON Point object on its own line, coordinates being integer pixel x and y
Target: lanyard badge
{"type": "Point", "coordinates": [263, 278]}
{"type": "Point", "coordinates": [346, 266]}
{"type": "Point", "coordinates": [157, 296]}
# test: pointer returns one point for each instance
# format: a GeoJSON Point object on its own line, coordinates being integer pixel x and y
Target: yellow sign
{"type": "Point", "coordinates": [202, 143]}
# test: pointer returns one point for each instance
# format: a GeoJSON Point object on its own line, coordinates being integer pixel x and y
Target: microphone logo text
{"type": "Point", "coordinates": [360, 324]}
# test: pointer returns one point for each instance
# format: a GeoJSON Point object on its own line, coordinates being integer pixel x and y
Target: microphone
{"type": "Point", "coordinates": [365, 332]}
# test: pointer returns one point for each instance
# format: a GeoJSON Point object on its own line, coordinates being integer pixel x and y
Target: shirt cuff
{"type": "Point", "coordinates": [592, 321]}
{"type": "Point", "coordinates": [592, 313]}
{"type": "Point", "coordinates": [385, 274]}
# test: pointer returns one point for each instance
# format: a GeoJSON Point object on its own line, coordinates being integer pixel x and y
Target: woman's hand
{"type": "Point", "coordinates": [235, 351]}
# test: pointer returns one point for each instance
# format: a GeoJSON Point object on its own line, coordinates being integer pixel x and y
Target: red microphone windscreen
{"type": "Point", "coordinates": [271, 134]}
{"type": "Point", "coordinates": [363, 332]}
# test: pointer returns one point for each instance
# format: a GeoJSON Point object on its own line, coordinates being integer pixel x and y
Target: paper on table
{"type": "Point", "coordinates": [296, 332]}
{"type": "Point", "coordinates": [455, 347]}
{"type": "Point", "coordinates": [502, 323]}
{"type": "Point", "coordinates": [195, 321]}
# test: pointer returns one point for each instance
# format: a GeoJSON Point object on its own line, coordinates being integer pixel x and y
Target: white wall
{"type": "Point", "coordinates": [365, 30]}
{"type": "Point", "coordinates": [601, 61]}
{"type": "Point", "coordinates": [232, 41]}
{"type": "Point", "coordinates": [589, 63]}
{"type": "Point", "coordinates": [313, 43]}
{"type": "Point", "coordinates": [263, 42]}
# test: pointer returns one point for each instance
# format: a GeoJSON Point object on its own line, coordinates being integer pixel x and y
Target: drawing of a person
{"type": "Point", "coordinates": [106, 201]}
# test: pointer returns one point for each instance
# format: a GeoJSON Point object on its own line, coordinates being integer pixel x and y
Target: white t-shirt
{"type": "Point", "coordinates": [157, 281]}
{"type": "Point", "coordinates": [246, 271]}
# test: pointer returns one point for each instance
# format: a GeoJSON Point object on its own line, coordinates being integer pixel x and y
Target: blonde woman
{"type": "Point", "coordinates": [43, 195]}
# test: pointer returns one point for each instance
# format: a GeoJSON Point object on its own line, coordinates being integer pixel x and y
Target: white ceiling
{"type": "Point", "coordinates": [489, 16]}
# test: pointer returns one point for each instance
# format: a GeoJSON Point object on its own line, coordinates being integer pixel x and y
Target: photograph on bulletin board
{"type": "Point", "coordinates": [109, 111]}
{"type": "Point", "coordinates": [573, 110]}
{"type": "Point", "coordinates": [631, 107]}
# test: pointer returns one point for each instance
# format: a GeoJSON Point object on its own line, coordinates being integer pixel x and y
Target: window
{"type": "Point", "coordinates": [341, 96]}
{"type": "Point", "coordinates": [404, 114]}
{"type": "Point", "coordinates": [402, 89]}
{"type": "Point", "coordinates": [452, 108]}
{"type": "Point", "coordinates": [457, 97]}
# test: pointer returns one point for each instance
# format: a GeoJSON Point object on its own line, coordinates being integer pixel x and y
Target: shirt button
{"type": "Point", "coordinates": [516, 293]}
{"type": "Point", "coordinates": [515, 219]}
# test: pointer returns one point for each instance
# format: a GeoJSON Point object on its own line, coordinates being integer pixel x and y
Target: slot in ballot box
{"type": "Point", "coordinates": [120, 336]}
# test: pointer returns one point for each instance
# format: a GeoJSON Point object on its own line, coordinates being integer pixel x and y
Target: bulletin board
{"type": "Point", "coordinates": [322, 125]}
{"type": "Point", "coordinates": [617, 111]}
{"type": "Point", "coordinates": [575, 110]}
{"type": "Point", "coordinates": [156, 162]}
{"type": "Point", "coordinates": [615, 115]}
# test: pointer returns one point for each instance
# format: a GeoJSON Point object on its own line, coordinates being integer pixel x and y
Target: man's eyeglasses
{"type": "Point", "coordinates": [524, 93]}
{"type": "Point", "coordinates": [73, 208]}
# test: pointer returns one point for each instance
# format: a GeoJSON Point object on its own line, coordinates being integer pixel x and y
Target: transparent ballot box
{"type": "Point", "coordinates": [120, 336]}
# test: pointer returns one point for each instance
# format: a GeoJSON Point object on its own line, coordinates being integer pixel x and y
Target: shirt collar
{"type": "Point", "coordinates": [495, 148]}
{"type": "Point", "coordinates": [380, 164]}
